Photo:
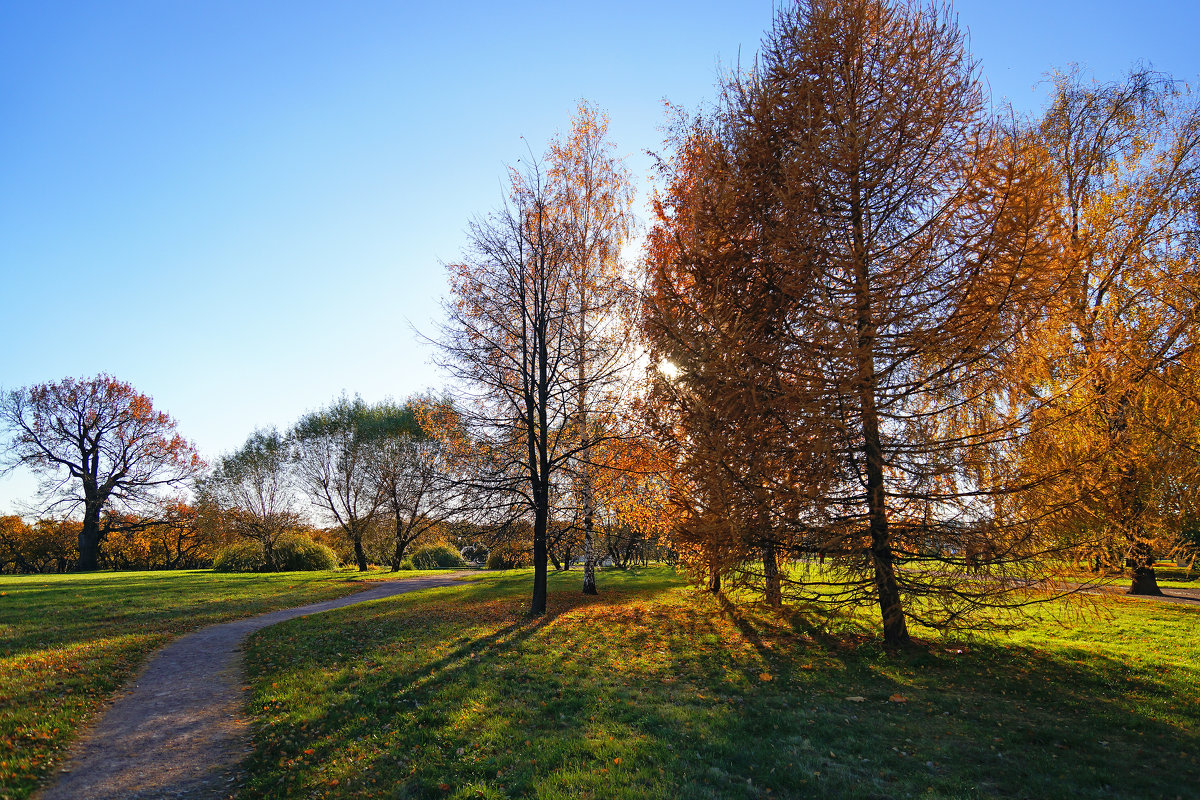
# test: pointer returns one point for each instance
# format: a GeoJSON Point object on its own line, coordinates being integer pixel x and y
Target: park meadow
{"type": "Point", "coordinates": [651, 689]}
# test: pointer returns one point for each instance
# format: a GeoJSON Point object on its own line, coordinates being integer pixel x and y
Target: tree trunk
{"type": "Point", "coordinates": [589, 558]}
{"type": "Point", "coordinates": [540, 551]}
{"type": "Point", "coordinates": [1144, 580]}
{"type": "Point", "coordinates": [89, 538]}
{"type": "Point", "coordinates": [895, 629]}
{"type": "Point", "coordinates": [774, 584]}
{"type": "Point", "coordinates": [554, 560]}
{"type": "Point", "coordinates": [360, 556]}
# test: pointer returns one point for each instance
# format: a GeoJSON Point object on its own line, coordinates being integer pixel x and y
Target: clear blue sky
{"type": "Point", "coordinates": [239, 207]}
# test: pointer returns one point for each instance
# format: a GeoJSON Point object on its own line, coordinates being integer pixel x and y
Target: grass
{"type": "Point", "coordinates": [654, 691]}
{"type": "Point", "coordinates": [68, 642]}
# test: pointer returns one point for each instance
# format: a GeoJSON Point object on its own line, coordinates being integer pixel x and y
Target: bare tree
{"type": "Point", "coordinates": [97, 444]}
{"type": "Point", "coordinates": [252, 491]}
{"type": "Point", "coordinates": [506, 339]}
{"type": "Point", "coordinates": [335, 450]}
{"type": "Point", "coordinates": [415, 471]}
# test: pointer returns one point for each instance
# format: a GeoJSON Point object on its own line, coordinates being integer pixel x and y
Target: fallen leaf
{"type": "Point", "coordinates": [766, 676]}
{"type": "Point", "coordinates": [856, 699]}
{"type": "Point", "coordinates": [898, 698]}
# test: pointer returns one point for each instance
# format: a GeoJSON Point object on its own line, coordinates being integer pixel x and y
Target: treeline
{"type": "Point", "coordinates": [376, 484]}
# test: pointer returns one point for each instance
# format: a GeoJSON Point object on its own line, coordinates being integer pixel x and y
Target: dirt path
{"type": "Point", "coordinates": [178, 730]}
{"type": "Point", "coordinates": [1170, 594]}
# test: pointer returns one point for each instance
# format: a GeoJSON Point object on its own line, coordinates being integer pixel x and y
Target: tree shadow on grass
{"type": "Point", "coordinates": [625, 697]}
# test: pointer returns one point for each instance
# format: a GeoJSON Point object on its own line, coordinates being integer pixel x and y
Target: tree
{"type": "Point", "coordinates": [335, 452]}
{"type": "Point", "coordinates": [97, 444]}
{"type": "Point", "coordinates": [592, 196]}
{"type": "Point", "coordinates": [845, 258]}
{"type": "Point", "coordinates": [1113, 364]}
{"type": "Point", "coordinates": [413, 469]}
{"type": "Point", "coordinates": [252, 490]}
{"type": "Point", "coordinates": [507, 340]}
{"type": "Point", "coordinates": [49, 545]}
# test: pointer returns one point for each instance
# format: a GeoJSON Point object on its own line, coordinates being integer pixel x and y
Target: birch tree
{"type": "Point", "coordinates": [592, 195]}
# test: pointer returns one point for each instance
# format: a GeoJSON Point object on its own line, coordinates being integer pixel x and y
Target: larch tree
{"type": "Point", "coordinates": [592, 195]}
{"type": "Point", "coordinates": [507, 340]}
{"type": "Point", "coordinates": [98, 445]}
{"type": "Point", "coordinates": [858, 240]}
{"type": "Point", "coordinates": [1112, 366]}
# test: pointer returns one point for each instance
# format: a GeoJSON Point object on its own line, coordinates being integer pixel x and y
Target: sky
{"type": "Point", "coordinates": [243, 208]}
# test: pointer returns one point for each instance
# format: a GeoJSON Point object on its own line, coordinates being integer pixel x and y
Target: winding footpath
{"type": "Point", "coordinates": [178, 731]}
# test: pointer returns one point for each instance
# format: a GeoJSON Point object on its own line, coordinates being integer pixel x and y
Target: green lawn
{"type": "Point", "coordinates": [655, 691]}
{"type": "Point", "coordinates": [68, 642]}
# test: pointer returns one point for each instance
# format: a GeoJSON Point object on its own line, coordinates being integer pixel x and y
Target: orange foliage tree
{"type": "Point", "coordinates": [49, 545]}
{"type": "Point", "coordinates": [98, 444]}
{"type": "Point", "coordinates": [845, 255]}
{"type": "Point", "coordinates": [174, 537]}
{"type": "Point", "coordinates": [1113, 365]}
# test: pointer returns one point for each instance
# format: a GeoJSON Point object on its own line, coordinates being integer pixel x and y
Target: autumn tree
{"type": "Point", "coordinates": [1113, 365]}
{"type": "Point", "coordinates": [592, 196]}
{"type": "Point", "coordinates": [97, 444]}
{"type": "Point", "coordinates": [48, 545]}
{"type": "Point", "coordinates": [253, 491]}
{"type": "Point", "coordinates": [507, 340]}
{"type": "Point", "coordinates": [335, 452]}
{"type": "Point", "coordinates": [844, 257]}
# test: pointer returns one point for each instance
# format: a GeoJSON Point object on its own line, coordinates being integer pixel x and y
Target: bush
{"type": "Point", "coordinates": [437, 556]}
{"type": "Point", "coordinates": [473, 553]}
{"type": "Point", "coordinates": [240, 557]}
{"type": "Point", "coordinates": [295, 552]}
{"type": "Point", "coordinates": [508, 559]}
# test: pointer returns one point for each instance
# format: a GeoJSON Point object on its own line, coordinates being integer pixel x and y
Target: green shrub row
{"type": "Point", "coordinates": [292, 553]}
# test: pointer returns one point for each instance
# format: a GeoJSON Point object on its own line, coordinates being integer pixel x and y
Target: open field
{"type": "Point", "coordinates": [67, 642]}
{"type": "Point", "coordinates": [652, 690]}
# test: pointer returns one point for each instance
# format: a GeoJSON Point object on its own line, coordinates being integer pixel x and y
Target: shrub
{"type": "Point", "coordinates": [475, 553]}
{"type": "Point", "coordinates": [295, 552]}
{"type": "Point", "coordinates": [240, 557]}
{"type": "Point", "coordinates": [508, 559]}
{"type": "Point", "coordinates": [437, 556]}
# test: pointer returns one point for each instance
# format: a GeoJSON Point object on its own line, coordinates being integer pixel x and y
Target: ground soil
{"type": "Point", "coordinates": [179, 730]}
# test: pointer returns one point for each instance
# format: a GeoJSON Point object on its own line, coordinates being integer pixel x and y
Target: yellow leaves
{"type": "Point", "coordinates": [766, 677]}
